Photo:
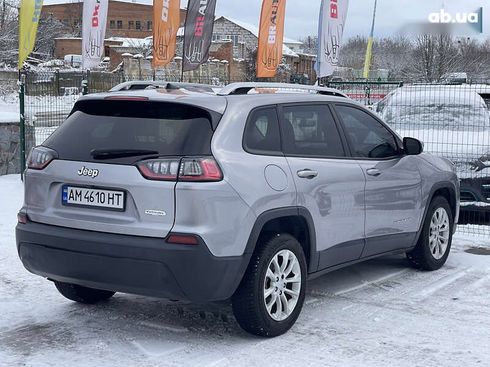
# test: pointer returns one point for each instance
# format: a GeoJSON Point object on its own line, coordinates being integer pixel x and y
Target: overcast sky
{"type": "Point", "coordinates": [302, 15]}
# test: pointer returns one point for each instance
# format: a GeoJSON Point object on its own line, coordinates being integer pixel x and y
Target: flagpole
{"type": "Point", "coordinates": [369, 50]}
{"type": "Point", "coordinates": [183, 43]}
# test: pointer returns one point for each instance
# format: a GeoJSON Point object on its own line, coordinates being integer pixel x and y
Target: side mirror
{"type": "Point", "coordinates": [412, 146]}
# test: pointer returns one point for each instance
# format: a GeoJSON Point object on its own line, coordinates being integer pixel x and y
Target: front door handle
{"type": "Point", "coordinates": [373, 172]}
{"type": "Point", "coordinates": [307, 173]}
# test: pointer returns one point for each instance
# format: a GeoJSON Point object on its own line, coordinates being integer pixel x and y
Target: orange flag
{"type": "Point", "coordinates": [166, 24]}
{"type": "Point", "coordinates": [271, 34]}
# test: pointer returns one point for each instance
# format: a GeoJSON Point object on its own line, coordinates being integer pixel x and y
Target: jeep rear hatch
{"type": "Point", "coordinates": [113, 165]}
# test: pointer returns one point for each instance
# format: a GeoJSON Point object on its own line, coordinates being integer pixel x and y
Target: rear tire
{"type": "Point", "coordinates": [434, 244]}
{"type": "Point", "coordinates": [81, 294]}
{"type": "Point", "coordinates": [271, 294]}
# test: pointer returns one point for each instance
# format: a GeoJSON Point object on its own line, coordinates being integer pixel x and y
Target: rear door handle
{"type": "Point", "coordinates": [307, 173]}
{"type": "Point", "coordinates": [373, 172]}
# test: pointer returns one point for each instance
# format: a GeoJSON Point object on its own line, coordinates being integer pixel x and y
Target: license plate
{"type": "Point", "coordinates": [95, 198]}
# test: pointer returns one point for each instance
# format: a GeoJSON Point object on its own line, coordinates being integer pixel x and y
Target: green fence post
{"type": "Point", "coordinates": [22, 126]}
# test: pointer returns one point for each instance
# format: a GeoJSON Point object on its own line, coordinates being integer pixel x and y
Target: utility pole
{"type": "Point", "coordinates": [369, 50]}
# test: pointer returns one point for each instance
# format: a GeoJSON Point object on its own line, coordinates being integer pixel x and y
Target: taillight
{"type": "Point", "coordinates": [40, 157]}
{"type": "Point", "coordinates": [160, 169]}
{"type": "Point", "coordinates": [201, 169]}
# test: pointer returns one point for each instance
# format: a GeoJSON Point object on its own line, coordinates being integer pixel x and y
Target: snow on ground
{"type": "Point", "coordinates": [380, 313]}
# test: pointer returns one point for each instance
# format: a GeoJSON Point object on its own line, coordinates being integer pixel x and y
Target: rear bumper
{"type": "Point", "coordinates": [128, 264]}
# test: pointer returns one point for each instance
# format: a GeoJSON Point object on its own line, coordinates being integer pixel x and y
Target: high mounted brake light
{"type": "Point", "coordinates": [199, 169]}
{"type": "Point", "coordinates": [126, 98]}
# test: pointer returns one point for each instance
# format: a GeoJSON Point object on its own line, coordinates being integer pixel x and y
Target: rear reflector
{"type": "Point", "coordinates": [22, 218]}
{"type": "Point", "coordinates": [182, 239]}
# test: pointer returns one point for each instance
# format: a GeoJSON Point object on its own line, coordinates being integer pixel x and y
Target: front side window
{"type": "Point", "coordinates": [262, 132]}
{"type": "Point", "coordinates": [367, 136]}
{"type": "Point", "coordinates": [310, 131]}
{"type": "Point", "coordinates": [138, 24]}
{"type": "Point", "coordinates": [119, 24]}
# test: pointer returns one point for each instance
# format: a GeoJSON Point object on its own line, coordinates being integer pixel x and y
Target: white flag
{"type": "Point", "coordinates": [93, 34]}
{"type": "Point", "coordinates": [331, 28]}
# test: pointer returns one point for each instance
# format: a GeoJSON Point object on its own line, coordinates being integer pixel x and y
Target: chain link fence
{"type": "Point", "coordinates": [453, 121]}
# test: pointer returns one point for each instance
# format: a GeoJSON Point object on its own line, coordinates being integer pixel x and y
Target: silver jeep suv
{"type": "Point", "coordinates": [197, 195]}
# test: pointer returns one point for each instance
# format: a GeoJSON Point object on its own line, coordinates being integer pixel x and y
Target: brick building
{"type": "Point", "coordinates": [125, 18]}
{"type": "Point", "coordinates": [244, 38]}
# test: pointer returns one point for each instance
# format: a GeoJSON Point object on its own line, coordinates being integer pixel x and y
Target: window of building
{"type": "Point", "coordinates": [138, 24]}
{"type": "Point", "coordinates": [131, 24]}
{"type": "Point", "coordinates": [112, 24]}
{"type": "Point", "coordinates": [235, 38]}
{"type": "Point", "coordinates": [119, 24]}
{"type": "Point", "coordinates": [149, 25]}
{"type": "Point", "coordinates": [217, 37]}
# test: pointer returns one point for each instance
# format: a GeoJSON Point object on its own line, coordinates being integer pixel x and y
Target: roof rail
{"type": "Point", "coordinates": [244, 88]}
{"type": "Point", "coordinates": [147, 84]}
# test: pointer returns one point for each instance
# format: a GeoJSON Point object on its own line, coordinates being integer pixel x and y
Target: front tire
{"type": "Point", "coordinates": [271, 294]}
{"type": "Point", "coordinates": [434, 244]}
{"type": "Point", "coordinates": [81, 294]}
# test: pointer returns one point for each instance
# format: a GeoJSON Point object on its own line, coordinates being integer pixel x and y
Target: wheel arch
{"type": "Point", "coordinates": [296, 221]}
{"type": "Point", "coordinates": [444, 189]}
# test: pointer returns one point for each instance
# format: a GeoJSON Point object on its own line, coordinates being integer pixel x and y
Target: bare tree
{"type": "Point", "coordinates": [48, 30]}
{"type": "Point", "coordinates": [434, 56]}
{"type": "Point", "coordinates": [9, 25]}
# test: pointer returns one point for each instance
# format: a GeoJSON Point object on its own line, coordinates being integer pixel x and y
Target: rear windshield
{"type": "Point", "coordinates": [165, 129]}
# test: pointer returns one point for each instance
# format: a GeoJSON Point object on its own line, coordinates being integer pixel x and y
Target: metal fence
{"type": "Point", "coordinates": [453, 121]}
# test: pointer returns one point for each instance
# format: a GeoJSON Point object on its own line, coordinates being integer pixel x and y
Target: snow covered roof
{"type": "Point", "coordinates": [428, 95]}
{"type": "Point", "coordinates": [255, 31]}
{"type": "Point", "coordinates": [132, 42]}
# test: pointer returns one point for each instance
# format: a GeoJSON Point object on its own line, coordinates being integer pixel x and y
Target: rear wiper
{"type": "Point", "coordinates": [120, 153]}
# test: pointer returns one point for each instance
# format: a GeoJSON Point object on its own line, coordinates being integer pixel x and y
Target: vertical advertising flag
{"type": "Point", "coordinates": [166, 24]}
{"type": "Point", "coordinates": [330, 31]}
{"type": "Point", "coordinates": [29, 14]}
{"type": "Point", "coordinates": [198, 33]}
{"type": "Point", "coordinates": [271, 37]}
{"type": "Point", "coordinates": [93, 32]}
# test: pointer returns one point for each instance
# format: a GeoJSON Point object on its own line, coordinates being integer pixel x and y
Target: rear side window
{"type": "Point", "coordinates": [310, 131]}
{"type": "Point", "coordinates": [164, 128]}
{"type": "Point", "coordinates": [368, 137]}
{"type": "Point", "coordinates": [262, 132]}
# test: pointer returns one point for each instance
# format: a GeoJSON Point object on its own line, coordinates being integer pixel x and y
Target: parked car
{"type": "Point", "coordinates": [453, 122]}
{"type": "Point", "coordinates": [242, 194]}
